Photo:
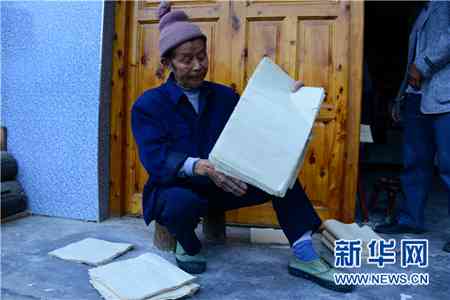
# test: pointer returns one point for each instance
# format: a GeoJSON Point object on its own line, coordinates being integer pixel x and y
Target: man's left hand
{"type": "Point", "coordinates": [414, 77]}
{"type": "Point", "coordinates": [204, 167]}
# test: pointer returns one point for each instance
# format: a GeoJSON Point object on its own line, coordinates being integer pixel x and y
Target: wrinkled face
{"type": "Point", "coordinates": [189, 63]}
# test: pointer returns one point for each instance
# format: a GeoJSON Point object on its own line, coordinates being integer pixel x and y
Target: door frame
{"type": "Point", "coordinates": [353, 121]}
{"type": "Point", "coordinates": [118, 120]}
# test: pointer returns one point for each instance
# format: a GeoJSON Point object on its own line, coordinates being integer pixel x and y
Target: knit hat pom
{"type": "Point", "coordinates": [163, 9]}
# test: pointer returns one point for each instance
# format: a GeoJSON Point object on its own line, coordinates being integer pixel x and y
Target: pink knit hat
{"type": "Point", "coordinates": [175, 28]}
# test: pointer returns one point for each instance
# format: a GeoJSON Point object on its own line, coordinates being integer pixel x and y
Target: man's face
{"type": "Point", "coordinates": [189, 63]}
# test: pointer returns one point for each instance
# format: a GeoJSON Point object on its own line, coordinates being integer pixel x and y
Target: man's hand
{"type": "Point", "coordinates": [395, 111]}
{"type": "Point", "coordinates": [414, 77]}
{"type": "Point", "coordinates": [204, 168]}
{"type": "Point", "coordinates": [297, 85]}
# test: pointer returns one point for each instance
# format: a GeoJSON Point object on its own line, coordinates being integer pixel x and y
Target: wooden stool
{"type": "Point", "coordinates": [213, 229]}
{"type": "Point", "coordinates": [390, 185]}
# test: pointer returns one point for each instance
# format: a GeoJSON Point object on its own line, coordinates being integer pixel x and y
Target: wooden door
{"type": "Point", "coordinates": [311, 42]}
{"type": "Point", "coordinates": [319, 42]}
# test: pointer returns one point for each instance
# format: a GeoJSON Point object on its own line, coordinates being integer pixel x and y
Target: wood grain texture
{"type": "Point", "coordinates": [133, 66]}
{"type": "Point", "coordinates": [310, 43]}
{"type": "Point", "coordinates": [117, 138]}
{"type": "Point", "coordinates": [354, 119]}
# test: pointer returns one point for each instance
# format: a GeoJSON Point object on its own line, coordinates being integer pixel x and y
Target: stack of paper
{"type": "Point", "coordinates": [265, 138]}
{"type": "Point", "coordinates": [142, 278]}
{"type": "Point", "coordinates": [335, 230]}
{"type": "Point", "coordinates": [91, 251]}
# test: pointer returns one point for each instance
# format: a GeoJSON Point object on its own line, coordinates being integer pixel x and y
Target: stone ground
{"type": "Point", "coordinates": [236, 270]}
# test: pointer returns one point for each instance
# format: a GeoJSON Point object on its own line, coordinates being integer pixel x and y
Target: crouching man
{"type": "Point", "coordinates": [175, 126]}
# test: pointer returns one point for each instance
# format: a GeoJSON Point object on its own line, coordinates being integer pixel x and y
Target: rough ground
{"type": "Point", "coordinates": [237, 270]}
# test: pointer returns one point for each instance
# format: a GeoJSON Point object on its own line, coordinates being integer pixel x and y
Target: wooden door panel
{"type": "Point", "coordinates": [315, 166]}
{"type": "Point", "coordinates": [210, 30]}
{"type": "Point", "coordinates": [264, 215]}
{"type": "Point", "coordinates": [308, 44]}
{"type": "Point", "coordinates": [265, 35]}
{"type": "Point", "coordinates": [149, 63]}
{"type": "Point", "coordinates": [316, 51]}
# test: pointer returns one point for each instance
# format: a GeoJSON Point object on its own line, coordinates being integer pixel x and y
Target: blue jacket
{"type": "Point", "coordinates": [167, 130]}
{"type": "Point", "coordinates": [433, 60]}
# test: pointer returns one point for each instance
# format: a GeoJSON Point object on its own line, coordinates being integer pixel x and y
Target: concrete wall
{"type": "Point", "coordinates": [51, 78]}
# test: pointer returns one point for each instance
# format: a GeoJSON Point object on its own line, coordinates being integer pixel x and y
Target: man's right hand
{"type": "Point", "coordinates": [203, 167]}
{"type": "Point", "coordinates": [414, 77]}
{"type": "Point", "coordinates": [395, 111]}
{"type": "Point", "coordinates": [396, 108]}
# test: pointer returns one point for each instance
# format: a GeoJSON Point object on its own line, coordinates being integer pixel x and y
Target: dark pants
{"type": "Point", "coordinates": [425, 135]}
{"type": "Point", "coordinates": [182, 207]}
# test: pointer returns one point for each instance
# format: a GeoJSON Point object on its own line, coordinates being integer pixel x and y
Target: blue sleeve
{"type": "Point", "coordinates": [188, 167]}
{"type": "Point", "coordinates": [154, 147]}
{"type": "Point", "coordinates": [437, 56]}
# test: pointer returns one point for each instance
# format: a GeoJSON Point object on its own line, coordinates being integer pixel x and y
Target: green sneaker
{"type": "Point", "coordinates": [194, 264]}
{"type": "Point", "coordinates": [318, 271]}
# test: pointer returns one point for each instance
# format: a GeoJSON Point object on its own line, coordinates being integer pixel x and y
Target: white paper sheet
{"type": "Point", "coordinates": [183, 291]}
{"type": "Point", "coordinates": [264, 140]}
{"type": "Point", "coordinates": [91, 251]}
{"type": "Point", "coordinates": [143, 277]}
{"type": "Point", "coordinates": [365, 134]}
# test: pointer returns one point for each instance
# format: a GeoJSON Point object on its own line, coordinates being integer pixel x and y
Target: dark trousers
{"type": "Point", "coordinates": [182, 206]}
{"type": "Point", "coordinates": [425, 136]}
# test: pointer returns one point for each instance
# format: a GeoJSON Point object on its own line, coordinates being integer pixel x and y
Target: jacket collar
{"type": "Point", "coordinates": [175, 91]}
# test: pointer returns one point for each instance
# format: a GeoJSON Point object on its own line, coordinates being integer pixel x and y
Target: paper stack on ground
{"type": "Point", "coordinates": [145, 277]}
{"type": "Point", "coordinates": [265, 138]}
{"type": "Point", "coordinates": [335, 230]}
{"type": "Point", "coordinates": [91, 251]}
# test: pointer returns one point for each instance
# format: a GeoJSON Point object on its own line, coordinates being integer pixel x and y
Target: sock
{"type": "Point", "coordinates": [305, 236]}
{"type": "Point", "coordinates": [303, 248]}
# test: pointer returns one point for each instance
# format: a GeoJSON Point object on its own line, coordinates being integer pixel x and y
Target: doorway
{"type": "Point", "coordinates": [386, 34]}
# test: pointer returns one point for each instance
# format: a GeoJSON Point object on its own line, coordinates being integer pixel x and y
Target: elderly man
{"type": "Point", "coordinates": [425, 95]}
{"type": "Point", "coordinates": [175, 126]}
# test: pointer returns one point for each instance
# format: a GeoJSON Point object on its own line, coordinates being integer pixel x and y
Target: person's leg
{"type": "Point", "coordinates": [180, 214]}
{"type": "Point", "coordinates": [418, 150]}
{"type": "Point", "coordinates": [296, 216]}
{"type": "Point", "coordinates": [295, 212]}
{"type": "Point", "coordinates": [442, 129]}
